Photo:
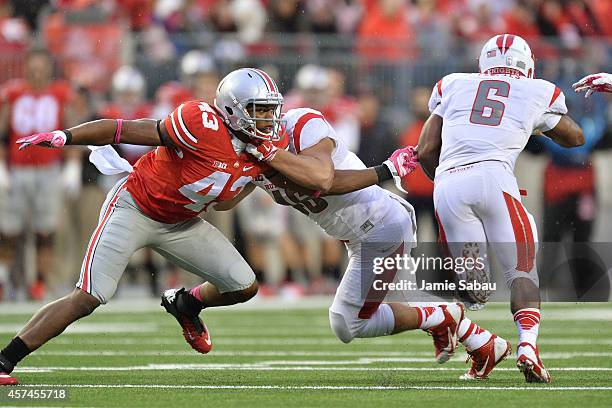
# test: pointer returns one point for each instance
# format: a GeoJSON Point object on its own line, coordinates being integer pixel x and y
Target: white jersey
{"type": "Point", "coordinates": [347, 216]}
{"type": "Point", "coordinates": [491, 117]}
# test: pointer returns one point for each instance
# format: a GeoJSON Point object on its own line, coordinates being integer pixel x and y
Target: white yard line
{"type": "Point", "coordinates": [321, 387]}
{"type": "Point", "coordinates": [288, 341]}
{"type": "Point", "coordinates": [265, 367]}
{"type": "Point", "coordinates": [108, 327]}
{"type": "Point", "coordinates": [389, 355]}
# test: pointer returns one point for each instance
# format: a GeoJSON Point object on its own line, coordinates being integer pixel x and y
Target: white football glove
{"type": "Point", "coordinates": [601, 82]}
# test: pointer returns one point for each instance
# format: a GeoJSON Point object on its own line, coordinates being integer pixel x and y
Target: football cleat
{"type": "Point", "coordinates": [485, 358]}
{"type": "Point", "coordinates": [6, 379]}
{"type": "Point", "coordinates": [445, 334]}
{"type": "Point", "coordinates": [528, 361]}
{"type": "Point", "coordinates": [194, 329]}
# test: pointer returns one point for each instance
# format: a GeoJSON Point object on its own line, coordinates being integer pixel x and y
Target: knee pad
{"type": "Point", "coordinates": [340, 327]}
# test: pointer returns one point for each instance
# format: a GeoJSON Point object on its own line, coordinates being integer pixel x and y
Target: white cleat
{"type": "Point", "coordinates": [529, 363]}
{"type": "Point", "coordinates": [445, 334]}
{"type": "Point", "coordinates": [485, 358]}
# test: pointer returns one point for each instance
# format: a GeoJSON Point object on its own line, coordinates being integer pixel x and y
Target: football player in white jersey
{"type": "Point", "coordinates": [321, 178]}
{"type": "Point", "coordinates": [479, 124]}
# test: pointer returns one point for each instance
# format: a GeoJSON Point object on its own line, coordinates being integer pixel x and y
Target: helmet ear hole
{"type": "Point", "coordinates": [229, 110]}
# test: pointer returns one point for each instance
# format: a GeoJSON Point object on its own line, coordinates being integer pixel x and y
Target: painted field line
{"type": "Point", "coordinates": [390, 355]}
{"type": "Point", "coordinates": [124, 327]}
{"type": "Point", "coordinates": [322, 387]}
{"type": "Point", "coordinates": [396, 340]}
{"type": "Point", "coordinates": [264, 367]}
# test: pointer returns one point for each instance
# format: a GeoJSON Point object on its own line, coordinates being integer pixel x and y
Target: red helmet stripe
{"type": "Point", "coordinates": [269, 82]}
{"type": "Point", "coordinates": [500, 43]}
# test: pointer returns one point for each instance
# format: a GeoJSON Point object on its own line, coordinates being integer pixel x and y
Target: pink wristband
{"type": "Point", "coordinates": [118, 132]}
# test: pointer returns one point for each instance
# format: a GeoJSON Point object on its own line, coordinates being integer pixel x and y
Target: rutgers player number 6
{"type": "Point", "coordinates": [487, 111]}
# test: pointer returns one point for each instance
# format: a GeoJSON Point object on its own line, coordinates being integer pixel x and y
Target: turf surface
{"type": "Point", "coordinates": [279, 356]}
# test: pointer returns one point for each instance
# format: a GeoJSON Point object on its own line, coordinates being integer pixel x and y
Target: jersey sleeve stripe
{"type": "Point", "coordinates": [297, 130]}
{"type": "Point", "coordinates": [178, 135]}
{"type": "Point", "coordinates": [439, 85]}
{"type": "Point", "coordinates": [182, 123]}
{"type": "Point", "coordinates": [555, 96]}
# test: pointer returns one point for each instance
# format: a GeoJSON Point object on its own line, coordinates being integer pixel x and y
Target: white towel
{"type": "Point", "coordinates": [107, 160]}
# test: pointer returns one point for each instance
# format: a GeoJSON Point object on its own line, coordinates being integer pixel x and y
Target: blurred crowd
{"type": "Point", "coordinates": [65, 62]}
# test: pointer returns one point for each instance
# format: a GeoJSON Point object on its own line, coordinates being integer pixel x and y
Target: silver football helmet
{"type": "Point", "coordinates": [238, 95]}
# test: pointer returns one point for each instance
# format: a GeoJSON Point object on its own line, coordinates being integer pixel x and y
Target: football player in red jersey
{"type": "Point", "coordinates": [200, 162]}
{"type": "Point", "coordinates": [33, 191]}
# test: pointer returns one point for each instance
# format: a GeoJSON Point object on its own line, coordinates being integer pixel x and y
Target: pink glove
{"type": "Point", "coordinates": [48, 139]}
{"type": "Point", "coordinates": [401, 163]}
{"type": "Point", "coordinates": [264, 151]}
{"type": "Point", "coordinates": [601, 82]}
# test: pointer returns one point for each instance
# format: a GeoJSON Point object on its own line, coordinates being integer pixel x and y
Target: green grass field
{"type": "Point", "coordinates": [287, 356]}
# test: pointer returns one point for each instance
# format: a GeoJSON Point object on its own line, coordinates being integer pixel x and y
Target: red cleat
{"type": "Point", "coordinates": [531, 366]}
{"type": "Point", "coordinates": [6, 379]}
{"type": "Point", "coordinates": [194, 329]}
{"type": "Point", "coordinates": [445, 334]}
{"type": "Point", "coordinates": [485, 358]}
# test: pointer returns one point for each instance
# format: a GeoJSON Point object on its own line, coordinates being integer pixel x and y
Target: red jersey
{"type": "Point", "coordinates": [174, 185]}
{"type": "Point", "coordinates": [34, 111]}
{"type": "Point", "coordinates": [115, 111]}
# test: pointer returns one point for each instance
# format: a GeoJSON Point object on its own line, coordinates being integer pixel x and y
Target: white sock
{"type": "Point", "coordinates": [471, 335]}
{"type": "Point", "coordinates": [429, 316]}
{"type": "Point", "coordinates": [381, 323]}
{"type": "Point", "coordinates": [528, 324]}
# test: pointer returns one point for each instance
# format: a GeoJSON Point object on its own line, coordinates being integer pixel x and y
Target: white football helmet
{"type": "Point", "coordinates": [239, 92]}
{"type": "Point", "coordinates": [507, 52]}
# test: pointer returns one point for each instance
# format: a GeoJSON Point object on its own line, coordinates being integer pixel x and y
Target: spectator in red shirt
{"type": "Point", "coordinates": [384, 32]}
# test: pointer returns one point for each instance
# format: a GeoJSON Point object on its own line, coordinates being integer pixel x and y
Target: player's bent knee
{"type": "Point", "coordinates": [246, 294]}
{"type": "Point", "coordinates": [83, 303]}
{"type": "Point", "coordinates": [340, 328]}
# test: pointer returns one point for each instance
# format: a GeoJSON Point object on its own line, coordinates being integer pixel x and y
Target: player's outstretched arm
{"type": "Point", "coordinates": [401, 163]}
{"type": "Point", "coordinates": [567, 133]}
{"type": "Point", "coordinates": [313, 168]}
{"type": "Point", "coordinates": [430, 145]}
{"type": "Point", "coordinates": [146, 132]}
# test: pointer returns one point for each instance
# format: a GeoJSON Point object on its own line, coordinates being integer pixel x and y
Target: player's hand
{"type": "Point", "coordinates": [264, 151]}
{"type": "Point", "coordinates": [601, 82]}
{"type": "Point", "coordinates": [401, 163]}
{"type": "Point", "coordinates": [56, 138]}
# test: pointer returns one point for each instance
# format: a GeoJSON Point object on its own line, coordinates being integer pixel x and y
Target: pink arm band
{"type": "Point", "coordinates": [118, 132]}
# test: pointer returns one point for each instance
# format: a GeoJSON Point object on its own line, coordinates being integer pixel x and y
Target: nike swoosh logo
{"type": "Point", "coordinates": [247, 168]}
{"type": "Point", "coordinates": [207, 341]}
{"type": "Point", "coordinates": [481, 372]}
{"type": "Point", "coordinates": [268, 148]}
